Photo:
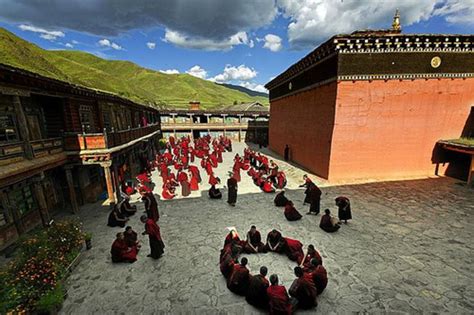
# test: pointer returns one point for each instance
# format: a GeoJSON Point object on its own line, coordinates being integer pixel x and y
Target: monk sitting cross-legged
{"type": "Point", "coordinates": [121, 252]}
{"type": "Point", "coordinates": [238, 282]}
{"type": "Point", "coordinates": [254, 241]}
{"type": "Point", "coordinates": [303, 290]}
{"type": "Point", "coordinates": [291, 214]}
{"type": "Point", "coordinates": [275, 242]}
{"type": "Point", "coordinates": [278, 299]}
{"type": "Point", "coordinates": [257, 291]}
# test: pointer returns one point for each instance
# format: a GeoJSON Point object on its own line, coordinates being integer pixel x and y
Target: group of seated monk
{"type": "Point", "coordinates": [291, 214]}
{"type": "Point", "coordinates": [120, 212]}
{"type": "Point", "coordinates": [311, 276]}
{"type": "Point", "coordinates": [125, 247]}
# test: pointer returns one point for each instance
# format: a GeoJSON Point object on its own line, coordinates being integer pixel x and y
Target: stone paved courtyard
{"type": "Point", "coordinates": [408, 250]}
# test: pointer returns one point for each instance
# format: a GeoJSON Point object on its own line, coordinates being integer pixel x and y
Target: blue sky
{"type": "Point", "coordinates": [244, 42]}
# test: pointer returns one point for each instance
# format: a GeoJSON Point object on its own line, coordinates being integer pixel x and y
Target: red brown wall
{"type": "Point", "coordinates": [389, 129]}
{"type": "Point", "coordinates": [305, 122]}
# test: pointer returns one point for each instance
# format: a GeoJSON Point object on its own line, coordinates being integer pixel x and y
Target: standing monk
{"type": "Point", "coordinates": [154, 235]}
{"type": "Point", "coordinates": [308, 183]}
{"type": "Point", "coordinates": [315, 199]}
{"type": "Point", "coordinates": [151, 206]}
{"type": "Point", "coordinates": [344, 206]}
{"type": "Point", "coordinates": [232, 190]}
{"type": "Point", "coordinates": [183, 181]}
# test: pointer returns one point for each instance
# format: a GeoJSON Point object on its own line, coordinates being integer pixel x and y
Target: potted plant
{"type": "Point", "coordinates": [88, 240]}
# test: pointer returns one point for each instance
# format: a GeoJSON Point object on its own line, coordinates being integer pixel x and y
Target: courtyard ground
{"type": "Point", "coordinates": [408, 250]}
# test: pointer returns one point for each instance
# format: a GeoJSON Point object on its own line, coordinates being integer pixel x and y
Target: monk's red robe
{"type": "Point", "coordinates": [267, 187]}
{"type": "Point", "coordinates": [278, 300]}
{"type": "Point", "coordinates": [194, 183]}
{"type": "Point", "coordinates": [195, 171]}
{"type": "Point", "coordinates": [212, 180]}
{"type": "Point", "coordinates": [203, 163]}
{"type": "Point", "coordinates": [151, 206]}
{"type": "Point", "coordinates": [304, 290]}
{"type": "Point", "coordinates": [166, 194]}
{"type": "Point", "coordinates": [294, 249]}
{"type": "Point", "coordinates": [219, 156]}
{"type": "Point", "coordinates": [257, 291]}
{"type": "Point", "coordinates": [213, 160]}
{"type": "Point", "coordinates": [310, 256]}
{"type": "Point", "coordinates": [256, 240]}
{"type": "Point", "coordinates": [320, 278]}
{"type": "Point", "coordinates": [122, 253]}
{"type": "Point", "coordinates": [226, 264]}
{"type": "Point", "coordinates": [143, 178]}
{"type": "Point", "coordinates": [238, 282]}
{"type": "Point", "coordinates": [291, 214]}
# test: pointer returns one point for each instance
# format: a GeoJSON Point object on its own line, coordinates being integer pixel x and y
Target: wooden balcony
{"type": "Point", "coordinates": [106, 140]}
{"type": "Point", "coordinates": [46, 147]}
{"type": "Point", "coordinates": [13, 152]}
{"type": "Point", "coordinates": [167, 126]}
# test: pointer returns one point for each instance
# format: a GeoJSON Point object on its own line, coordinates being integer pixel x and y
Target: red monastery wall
{"type": "Point", "coordinates": [305, 122]}
{"type": "Point", "coordinates": [389, 129]}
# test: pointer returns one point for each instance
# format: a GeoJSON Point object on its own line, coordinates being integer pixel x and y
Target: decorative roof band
{"type": "Point", "coordinates": [404, 76]}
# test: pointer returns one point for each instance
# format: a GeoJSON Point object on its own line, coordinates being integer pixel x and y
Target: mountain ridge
{"type": "Point", "coordinates": [120, 77]}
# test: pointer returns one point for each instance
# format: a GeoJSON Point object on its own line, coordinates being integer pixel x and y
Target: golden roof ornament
{"type": "Point", "coordinates": [396, 22]}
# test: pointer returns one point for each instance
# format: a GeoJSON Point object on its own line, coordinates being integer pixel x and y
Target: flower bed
{"type": "Point", "coordinates": [32, 282]}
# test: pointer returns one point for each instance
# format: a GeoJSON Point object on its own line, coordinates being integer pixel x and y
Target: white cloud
{"type": "Point", "coordinates": [74, 42]}
{"type": "Point", "coordinates": [107, 43]}
{"type": "Point", "coordinates": [170, 71]}
{"type": "Point", "coordinates": [45, 34]}
{"type": "Point", "coordinates": [273, 42]}
{"type": "Point", "coordinates": [192, 42]}
{"type": "Point", "coordinates": [69, 45]}
{"type": "Point", "coordinates": [254, 87]}
{"type": "Point", "coordinates": [151, 45]}
{"type": "Point", "coordinates": [198, 72]}
{"type": "Point", "coordinates": [457, 11]}
{"type": "Point", "coordinates": [312, 21]}
{"type": "Point", "coordinates": [231, 73]}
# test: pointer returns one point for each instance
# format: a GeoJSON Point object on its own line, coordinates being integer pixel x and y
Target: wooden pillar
{"type": "Point", "coordinates": [72, 191]}
{"type": "Point", "coordinates": [109, 181]}
{"type": "Point", "coordinates": [470, 176]}
{"type": "Point", "coordinates": [23, 127]}
{"type": "Point", "coordinates": [42, 204]}
{"type": "Point", "coordinates": [116, 182]}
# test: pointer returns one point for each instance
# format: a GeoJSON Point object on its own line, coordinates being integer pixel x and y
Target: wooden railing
{"type": "Point", "coordinates": [213, 125]}
{"type": "Point", "coordinates": [11, 152]}
{"type": "Point", "coordinates": [45, 147]}
{"type": "Point", "coordinates": [107, 139]}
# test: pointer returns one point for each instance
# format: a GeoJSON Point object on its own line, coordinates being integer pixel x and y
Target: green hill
{"type": "Point", "coordinates": [120, 77]}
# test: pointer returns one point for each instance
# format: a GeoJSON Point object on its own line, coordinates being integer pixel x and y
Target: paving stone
{"type": "Point", "coordinates": [408, 250]}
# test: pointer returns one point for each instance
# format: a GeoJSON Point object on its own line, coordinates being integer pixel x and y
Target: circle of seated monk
{"type": "Point", "coordinates": [311, 277]}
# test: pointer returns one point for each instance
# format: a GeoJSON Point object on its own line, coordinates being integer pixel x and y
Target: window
{"type": "Point", "coordinates": [34, 127]}
{"type": "Point", "coordinates": [106, 117]}
{"type": "Point", "coordinates": [23, 199]}
{"type": "Point", "coordinates": [87, 120]}
{"type": "Point", "coordinates": [8, 130]}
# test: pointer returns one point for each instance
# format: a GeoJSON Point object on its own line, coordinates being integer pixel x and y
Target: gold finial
{"type": "Point", "coordinates": [396, 22]}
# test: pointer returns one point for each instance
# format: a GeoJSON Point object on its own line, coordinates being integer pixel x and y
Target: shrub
{"type": "Point", "coordinates": [39, 266]}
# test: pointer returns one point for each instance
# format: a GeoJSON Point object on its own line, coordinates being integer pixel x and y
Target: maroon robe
{"type": "Point", "coordinates": [257, 291]}
{"type": "Point", "coordinates": [154, 235]}
{"type": "Point", "coordinates": [294, 249]}
{"type": "Point", "coordinates": [320, 278]}
{"type": "Point", "coordinates": [122, 253]}
{"type": "Point", "coordinates": [151, 206]}
{"type": "Point", "coordinates": [238, 282]}
{"type": "Point", "coordinates": [256, 240]}
{"type": "Point", "coordinates": [278, 300]}
{"type": "Point", "coordinates": [304, 290]}
{"type": "Point", "coordinates": [291, 214]}
{"type": "Point", "coordinates": [310, 256]}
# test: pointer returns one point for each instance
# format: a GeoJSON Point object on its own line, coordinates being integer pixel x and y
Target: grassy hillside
{"type": "Point", "coordinates": [120, 77]}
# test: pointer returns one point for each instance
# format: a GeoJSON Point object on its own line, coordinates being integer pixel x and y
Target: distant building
{"type": "Point", "coordinates": [62, 146]}
{"type": "Point", "coordinates": [241, 122]}
{"type": "Point", "coordinates": [373, 105]}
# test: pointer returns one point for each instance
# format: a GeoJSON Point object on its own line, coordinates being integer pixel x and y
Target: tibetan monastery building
{"type": "Point", "coordinates": [374, 104]}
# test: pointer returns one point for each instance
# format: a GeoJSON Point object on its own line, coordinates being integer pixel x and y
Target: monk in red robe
{"type": "Point", "coordinates": [310, 254]}
{"type": "Point", "coordinates": [213, 181]}
{"type": "Point", "coordinates": [294, 249]}
{"type": "Point", "coordinates": [275, 242]}
{"type": "Point", "coordinates": [257, 290]}
{"type": "Point", "coordinates": [121, 252]}
{"type": "Point", "coordinates": [156, 243]}
{"type": "Point", "coordinates": [194, 185]}
{"type": "Point", "coordinates": [278, 299]}
{"type": "Point", "coordinates": [253, 244]}
{"type": "Point", "coordinates": [267, 186]}
{"type": "Point", "coordinates": [195, 171]}
{"type": "Point", "coordinates": [151, 206]}
{"type": "Point", "coordinates": [319, 276]}
{"type": "Point", "coordinates": [238, 282]}
{"type": "Point", "coordinates": [303, 290]}
{"type": "Point", "coordinates": [228, 258]}
{"type": "Point", "coordinates": [327, 223]}
{"type": "Point", "coordinates": [291, 214]}
{"type": "Point", "coordinates": [167, 193]}
{"type": "Point", "coordinates": [184, 182]}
